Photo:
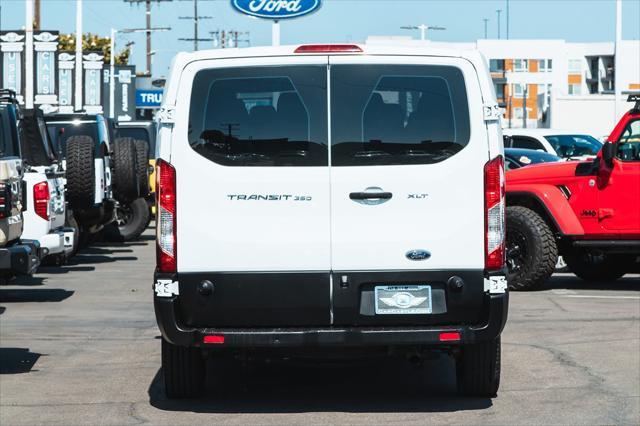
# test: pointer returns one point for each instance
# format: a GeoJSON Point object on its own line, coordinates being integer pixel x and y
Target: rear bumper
{"type": "Point", "coordinates": [22, 258]}
{"type": "Point", "coordinates": [176, 333]}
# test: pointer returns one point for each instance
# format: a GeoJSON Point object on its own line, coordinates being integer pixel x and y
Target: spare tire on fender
{"type": "Point", "coordinates": [125, 170]}
{"type": "Point", "coordinates": [80, 172]}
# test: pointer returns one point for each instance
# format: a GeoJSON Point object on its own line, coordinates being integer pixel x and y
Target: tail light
{"type": "Point", "coordinates": [494, 236]}
{"type": "Point", "coordinates": [166, 216]}
{"type": "Point", "coordinates": [5, 200]}
{"type": "Point", "coordinates": [41, 199]}
{"type": "Point", "coordinates": [328, 48]}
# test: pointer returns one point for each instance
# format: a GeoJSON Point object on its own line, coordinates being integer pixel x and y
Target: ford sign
{"type": "Point", "coordinates": [418, 255]}
{"type": "Point", "coordinates": [276, 9]}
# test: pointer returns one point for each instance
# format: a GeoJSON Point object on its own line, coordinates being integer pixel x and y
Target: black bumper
{"type": "Point", "coordinates": [177, 334]}
{"type": "Point", "coordinates": [22, 258]}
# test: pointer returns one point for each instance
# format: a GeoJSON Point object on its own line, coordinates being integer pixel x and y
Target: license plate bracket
{"type": "Point", "coordinates": [403, 300]}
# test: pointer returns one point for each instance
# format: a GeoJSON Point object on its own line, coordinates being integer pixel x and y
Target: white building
{"type": "Point", "coordinates": [559, 84]}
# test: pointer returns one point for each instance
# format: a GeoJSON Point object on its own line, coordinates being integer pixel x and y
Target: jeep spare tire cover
{"type": "Point", "coordinates": [142, 156]}
{"type": "Point", "coordinates": [125, 173]}
{"type": "Point", "coordinates": [81, 182]}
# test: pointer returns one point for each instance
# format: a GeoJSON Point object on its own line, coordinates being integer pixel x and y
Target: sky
{"type": "Point", "coordinates": [336, 21]}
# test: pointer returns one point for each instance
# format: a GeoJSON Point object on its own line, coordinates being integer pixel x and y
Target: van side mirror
{"type": "Point", "coordinates": [608, 153]}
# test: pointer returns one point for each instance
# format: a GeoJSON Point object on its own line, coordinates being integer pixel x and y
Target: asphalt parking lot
{"type": "Point", "coordinates": [79, 345]}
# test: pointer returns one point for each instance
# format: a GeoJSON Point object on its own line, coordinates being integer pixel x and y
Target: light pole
{"type": "Point", "coordinates": [485, 26]}
{"type": "Point", "coordinates": [499, 11]}
{"type": "Point", "coordinates": [112, 61]}
{"type": "Point", "coordinates": [423, 29]}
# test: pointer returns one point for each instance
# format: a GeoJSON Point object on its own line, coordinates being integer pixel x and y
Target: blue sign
{"type": "Point", "coordinates": [276, 9]}
{"type": "Point", "coordinates": [148, 98]}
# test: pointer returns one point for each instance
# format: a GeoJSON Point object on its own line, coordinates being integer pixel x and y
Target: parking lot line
{"type": "Point", "coordinates": [586, 296]}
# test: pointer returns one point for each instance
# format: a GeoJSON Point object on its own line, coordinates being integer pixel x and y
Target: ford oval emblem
{"type": "Point", "coordinates": [418, 255]}
{"type": "Point", "coordinates": [276, 9]}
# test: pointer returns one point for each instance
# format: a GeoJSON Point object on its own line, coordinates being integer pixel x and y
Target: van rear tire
{"type": "Point", "coordinates": [183, 370]}
{"type": "Point", "coordinates": [478, 369]}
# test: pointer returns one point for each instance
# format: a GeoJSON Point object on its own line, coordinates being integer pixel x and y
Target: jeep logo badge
{"type": "Point", "coordinates": [418, 255]}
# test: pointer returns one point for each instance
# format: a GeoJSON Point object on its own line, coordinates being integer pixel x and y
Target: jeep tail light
{"type": "Point", "coordinates": [494, 236]}
{"type": "Point", "coordinates": [41, 199]}
{"type": "Point", "coordinates": [166, 254]}
{"type": "Point", "coordinates": [5, 200]}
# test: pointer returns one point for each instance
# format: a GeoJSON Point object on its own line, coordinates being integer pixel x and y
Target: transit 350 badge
{"type": "Point", "coordinates": [276, 9]}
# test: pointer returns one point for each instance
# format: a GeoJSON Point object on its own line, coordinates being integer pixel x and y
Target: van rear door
{"type": "Point", "coordinates": [253, 188]}
{"type": "Point", "coordinates": [407, 159]}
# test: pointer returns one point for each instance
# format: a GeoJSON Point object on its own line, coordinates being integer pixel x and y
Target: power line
{"type": "Point", "coordinates": [196, 20]}
{"type": "Point", "coordinates": [148, 29]}
{"type": "Point", "coordinates": [224, 39]}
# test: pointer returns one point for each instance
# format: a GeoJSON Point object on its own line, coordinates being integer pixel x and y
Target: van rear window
{"type": "Point", "coordinates": [260, 116]}
{"type": "Point", "coordinates": [397, 114]}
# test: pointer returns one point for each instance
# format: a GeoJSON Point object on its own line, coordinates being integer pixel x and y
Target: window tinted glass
{"type": "Point", "coordinates": [8, 134]}
{"type": "Point", "coordinates": [60, 132]}
{"type": "Point", "coordinates": [395, 114]}
{"type": "Point", "coordinates": [574, 145]}
{"type": "Point", "coordinates": [629, 143]}
{"type": "Point", "coordinates": [524, 142]}
{"type": "Point", "coordinates": [260, 116]}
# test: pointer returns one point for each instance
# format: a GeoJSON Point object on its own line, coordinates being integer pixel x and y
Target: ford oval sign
{"type": "Point", "coordinates": [276, 9]}
{"type": "Point", "coordinates": [418, 255]}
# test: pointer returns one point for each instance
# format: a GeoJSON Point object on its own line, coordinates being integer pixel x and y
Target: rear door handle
{"type": "Point", "coordinates": [370, 195]}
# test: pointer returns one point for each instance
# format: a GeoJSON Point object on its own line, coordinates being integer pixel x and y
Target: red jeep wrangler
{"type": "Point", "coordinates": [588, 212]}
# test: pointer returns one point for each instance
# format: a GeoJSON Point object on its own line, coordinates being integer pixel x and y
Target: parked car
{"type": "Point", "coordinates": [98, 172]}
{"type": "Point", "coordinates": [514, 158]}
{"type": "Point", "coordinates": [45, 211]}
{"type": "Point", "coordinates": [309, 211]}
{"type": "Point", "coordinates": [17, 257]}
{"type": "Point", "coordinates": [567, 145]}
{"type": "Point", "coordinates": [588, 211]}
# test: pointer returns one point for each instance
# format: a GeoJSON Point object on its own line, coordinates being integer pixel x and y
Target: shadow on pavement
{"type": "Point", "coordinates": [34, 295]}
{"type": "Point", "coordinates": [630, 282]}
{"type": "Point", "coordinates": [2, 309]}
{"type": "Point", "coordinates": [26, 280]}
{"type": "Point", "coordinates": [17, 360]}
{"type": "Point", "coordinates": [382, 385]}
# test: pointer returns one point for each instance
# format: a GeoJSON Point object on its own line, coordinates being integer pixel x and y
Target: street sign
{"type": "Point", "coordinates": [124, 91]}
{"type": "Point", "coordinates": [148, 98]}
{"type": "Point", "coordinates": [276, 9]}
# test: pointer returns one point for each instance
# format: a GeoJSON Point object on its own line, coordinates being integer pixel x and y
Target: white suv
{"type": "Point", "coordinates": [332, 196]}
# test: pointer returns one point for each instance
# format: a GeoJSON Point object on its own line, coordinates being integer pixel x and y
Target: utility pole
{"type": "Point", "coordinates": [78, 72]}
{"type": "Point", "coordinates": [423, 29]}
{"type": "Point", "coordinates": [36, 15]}
{"type": "Point", "coordinates": [486, 20]}
{"type": "Point", "coordinates": [525, 92]}
{"type": "Point", "coordinates": [148, 29]}
{"type": "Point", "coordinates": [28, 58]}
{"type": "Point", "coordinates": [499, 11]}
{"type": "Point", "coordinates": [223, 39]}
{"type": "Point", "coordinates": [507, 19]}
{"type": "Point", "coordinates": [196, 20]}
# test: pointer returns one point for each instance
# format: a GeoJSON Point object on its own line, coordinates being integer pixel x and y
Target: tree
{"type": "Point", "coordinates": [94, 42]}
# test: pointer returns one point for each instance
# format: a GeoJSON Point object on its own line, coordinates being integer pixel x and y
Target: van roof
{"type": "Point", "coordinates": [182, 59]}
{"type": "Point", "coordinates": [289, 50]}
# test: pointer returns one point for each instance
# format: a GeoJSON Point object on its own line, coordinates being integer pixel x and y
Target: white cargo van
{"type": "Point", "coordinates": [334, 197]}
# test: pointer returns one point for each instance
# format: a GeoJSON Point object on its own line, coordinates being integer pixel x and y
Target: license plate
{"type": "Point", "coordinates": [403, 299]}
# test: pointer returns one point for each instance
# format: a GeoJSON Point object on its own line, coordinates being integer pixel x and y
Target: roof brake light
{"type": "Point", "coordinates": [329, 48]}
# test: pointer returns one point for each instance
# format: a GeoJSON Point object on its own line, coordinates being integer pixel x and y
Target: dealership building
{"type": "Point", "coordinates": [554, 83]}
